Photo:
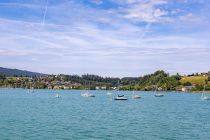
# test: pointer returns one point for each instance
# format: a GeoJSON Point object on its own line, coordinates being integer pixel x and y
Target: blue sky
{"type": "Point", "coordinates": [105, 37]}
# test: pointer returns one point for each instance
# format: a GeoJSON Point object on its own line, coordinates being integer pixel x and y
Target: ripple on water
{"type": "Point", "coordinates": [41, 116]}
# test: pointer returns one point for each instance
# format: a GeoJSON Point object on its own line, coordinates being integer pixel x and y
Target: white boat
{"type": "Point", "coordinates": [158, 94]}
{"type": "Point", "coordinates": [87, 95]}
{"type": "Point", "coordinates": [203, 96]}
{"type": "Point", "coordinates": [57, 96]}
{"type": "Point", "coordinates": [120, 97]}
{"type": "Point", "coordinates": [135, 96]}
{"type": "Point", "coordinates": [31, 90]}
{"type": "Point", "coordinates": [109, 93]}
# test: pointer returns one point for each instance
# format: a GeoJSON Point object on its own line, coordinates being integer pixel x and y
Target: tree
{"type": "Point", "coordinates": [208, 78]}
{"type": "Point", "coordinates": [177, 76]}
{"type": "Point", "coordinates": [2, 77]}
{"type": "Point", "coordinates": [187, 84]}
{"type": "Point", "coordinates": [198, 87]}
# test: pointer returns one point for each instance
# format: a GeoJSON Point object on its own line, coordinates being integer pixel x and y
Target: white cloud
{"type": "Point", "coordinates": [81, 39]}
{"type": "Point", "coordinates": [144, 11]}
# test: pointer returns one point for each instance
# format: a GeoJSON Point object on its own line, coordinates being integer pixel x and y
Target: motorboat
{"type": "Point", "coordinates": [120, 97]}
{"type": "Point", "coordinates": [158, 95]}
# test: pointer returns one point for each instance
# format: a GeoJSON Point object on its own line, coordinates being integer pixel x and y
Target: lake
{"type": "Point", "coordinates": [39, 116]}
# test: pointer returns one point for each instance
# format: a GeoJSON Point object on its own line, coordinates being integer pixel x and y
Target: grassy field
{"type": "Point", "coordinates": [195, 79]}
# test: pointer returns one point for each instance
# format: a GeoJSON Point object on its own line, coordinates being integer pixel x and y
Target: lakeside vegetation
{"type": "Point", "coordinates": [159, 79]}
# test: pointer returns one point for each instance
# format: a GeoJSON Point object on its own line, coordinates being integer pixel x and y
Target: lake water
{"type": "Point", "coordinates": [39, 116]}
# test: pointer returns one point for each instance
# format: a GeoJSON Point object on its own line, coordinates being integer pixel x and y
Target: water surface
{"type": "Point", "coordinates": [39, 115]}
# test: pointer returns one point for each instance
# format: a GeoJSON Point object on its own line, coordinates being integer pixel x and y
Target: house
{"type": "Point", "coordinates": [50, 87]}
{"type": "Point", "coordinates": [179, 89]}
{"type": "Point", "coordinates": [204, 74]}
{"type": "Point", "coordinates": [103, 87]}
{"type": "Point", "coordinates": [56, 87]}
{"type": "Point", "coordinates": [97, 87]}
{"type": "Point", "coordinates": [187, 88]}
{"type": "Point", "coordinates": [113, 88]}
{"type": "Point", "coordinates": [66, 87]}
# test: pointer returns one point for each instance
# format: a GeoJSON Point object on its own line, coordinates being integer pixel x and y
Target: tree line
{"type": "Point", "coordinates": [159, 79]}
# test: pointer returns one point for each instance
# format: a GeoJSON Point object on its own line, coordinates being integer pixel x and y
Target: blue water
{"type": "Point", "coordinates": [39, 116]}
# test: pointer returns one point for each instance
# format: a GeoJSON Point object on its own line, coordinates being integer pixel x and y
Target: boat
{"type": "Point", "coordinates": [203, 96]}
{"type": "Point", "coordinates": [57, 96]}
{"type": "Point", "coordinates": [31, 90]}
{"type": "Point", "coordinates": [87, 95]}
{"type": "Point", "coordinates": [109, 93]}
{"type": "Point", "coordinates": [135, 96]}
{"type": "Point", "coordinates": [120, 97]}
{"type": "Point", "coordinates": [158, 94]}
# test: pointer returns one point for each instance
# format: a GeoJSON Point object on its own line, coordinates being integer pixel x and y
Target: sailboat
{"type": "Point", "coordinates": [203, 96]}
{"type": "Point", "coordinates": [87, 94]}
{"type": "Point", "coordinates": [57, 96]}
{"type": "Point", "coordinates": [109, 93]}
{"type": "Point", "coordinates": [31, 90]}
{"type": "Point", "coordinates": [158, 94]}
{"type": "Point", "coordinates": [120, 97]}
{"type": "Point", "coordinates": [135, 96]}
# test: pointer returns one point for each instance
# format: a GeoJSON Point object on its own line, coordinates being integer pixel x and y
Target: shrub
{"type": "Point", "coordinates": [187, 84]}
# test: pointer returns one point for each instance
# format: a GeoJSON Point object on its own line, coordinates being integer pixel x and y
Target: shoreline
{"type": "Point", "coordinates": [193, 92]}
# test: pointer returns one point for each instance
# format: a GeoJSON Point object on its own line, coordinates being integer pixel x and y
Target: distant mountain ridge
{"type": "Point", "coordinates": [17, 72]}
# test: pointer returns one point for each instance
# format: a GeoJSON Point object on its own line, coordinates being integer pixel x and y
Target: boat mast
{"type": "Point", "coordinates": [155, 89]}
{"type": "Point", "coordinates": [204, 88]}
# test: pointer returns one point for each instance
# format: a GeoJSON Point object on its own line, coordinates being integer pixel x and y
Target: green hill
{"type": "Point", "coordinates": [16, 72]}
{"type": "Point", "coordinates": [199, 80]}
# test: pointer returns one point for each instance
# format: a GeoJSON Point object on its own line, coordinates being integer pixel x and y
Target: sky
{"type": "Point", "coordinates": [117, 38]}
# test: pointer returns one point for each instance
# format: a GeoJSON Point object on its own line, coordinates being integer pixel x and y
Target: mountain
{"type": "Point", "coordinates": [17, 72]}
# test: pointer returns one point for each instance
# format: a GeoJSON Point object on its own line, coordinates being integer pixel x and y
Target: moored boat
{"type": "Point", "coordinates": [203, 96]}
{"type": "Point", "coordinates": [159, 95]}
{"type": "Point", "coordinates": [57, 96]}
{"type": "Point", "coordinates": [136, 97]}
{"type": "Point", "coordinates": [109, 93]}
{"type": "Point", "coordinates": [120, 97]}
{"type": "Point", "coordinates": [87, 95]}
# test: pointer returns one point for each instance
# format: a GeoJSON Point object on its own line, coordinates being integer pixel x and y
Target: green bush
{"type": "Point", "coordinates": [187, 84]}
